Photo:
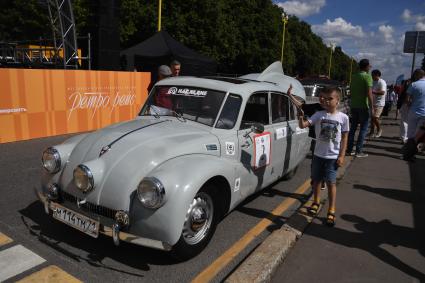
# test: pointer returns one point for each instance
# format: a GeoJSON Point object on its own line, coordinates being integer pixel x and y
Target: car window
{"type": "Point", "coordinates": [292, 111]}
{"type": "Point", "coordinates": [230, 112]}
{"type": "Point", "coordinates": [192, 103]}
{"type": "Point", "coordinates": [256, 111]}
{"type": "Point", "coordinates": [280, 108]}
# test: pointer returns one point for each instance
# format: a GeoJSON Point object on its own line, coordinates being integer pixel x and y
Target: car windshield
{"type": "Point", "coordinates": [312, 90]}
{"type": "Point", "coordinates": [191, 103]}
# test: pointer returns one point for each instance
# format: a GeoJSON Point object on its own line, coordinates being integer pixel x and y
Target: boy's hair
{"type": "Point", "coordinates": [331, 89]}
{"type": "Point", "coordinates": [376, 73]}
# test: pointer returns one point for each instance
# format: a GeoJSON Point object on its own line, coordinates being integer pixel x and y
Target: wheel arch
{"type": "Point", "coordinates": [223, 192]}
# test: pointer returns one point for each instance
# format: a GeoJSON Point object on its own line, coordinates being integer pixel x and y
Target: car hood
{"type": "Point", "coordinates": [130, 150]}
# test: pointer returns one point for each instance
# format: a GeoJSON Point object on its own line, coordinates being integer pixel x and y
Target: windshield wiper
{"type": "Point", "coordinates": [179, 116]}
{"type": "Point", "coordinates": [155, 114]}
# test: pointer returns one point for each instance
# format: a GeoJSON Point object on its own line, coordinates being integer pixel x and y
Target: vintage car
{"type": "Point", "coordinates": [197, 149]}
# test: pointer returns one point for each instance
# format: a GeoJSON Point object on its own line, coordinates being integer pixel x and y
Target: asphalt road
{"type": "Point", "coordinates": [87, 259]}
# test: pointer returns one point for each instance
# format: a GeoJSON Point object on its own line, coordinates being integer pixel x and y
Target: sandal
{"type": "Point", "coordinates": [330, 219]}
{"type": "Point", "coordinates": [313, 208]}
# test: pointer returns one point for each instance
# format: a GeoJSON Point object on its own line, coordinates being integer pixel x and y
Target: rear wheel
{"type": "Point", "coordinates": [199, 225]}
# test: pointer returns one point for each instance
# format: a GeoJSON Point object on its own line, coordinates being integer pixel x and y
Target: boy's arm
{"type": "Point", "coordinates": [370, 98]}
{"type": "Point", "coordinates": [302, 123]}
{"type": "Point", "coordinates": [381, 90]}
{"type": "Point", "coordinates": [342, 149]}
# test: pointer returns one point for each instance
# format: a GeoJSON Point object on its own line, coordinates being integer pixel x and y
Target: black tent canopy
{"type": "Point", "coordinates": [161, 49]}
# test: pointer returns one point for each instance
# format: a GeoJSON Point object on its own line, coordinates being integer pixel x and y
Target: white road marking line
{"type": "Point", "coordinates": [16, 260]}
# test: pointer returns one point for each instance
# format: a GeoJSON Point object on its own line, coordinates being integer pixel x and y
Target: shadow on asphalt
{"type": "Point", "coordinates": [388, 140]}
{"type": "Point", "coordinates": [399, 195]}
{"type": "Point", "coordinates": [390, 149]}
{"type": "Point", "coordinates": [57, 236]}
{"type": "Point", "coordinates": [371, 236]}
{"type": "Point", "coordinates": [417, 179]}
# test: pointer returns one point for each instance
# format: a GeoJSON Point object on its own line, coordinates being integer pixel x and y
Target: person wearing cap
{"type": "Point", "coordinates": [163, 98]}
{"type": "Point", "coordinates": [163, 72]}
{"type": "Point", "coordinates": [361, 107]}
{"type": "Point", "coordinates": [175, 68]}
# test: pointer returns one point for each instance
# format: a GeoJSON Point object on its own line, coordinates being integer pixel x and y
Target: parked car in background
{"type": "Point", "coordinates": [313, 86]}
{"type": "Point", "coordinates": [197, 149]}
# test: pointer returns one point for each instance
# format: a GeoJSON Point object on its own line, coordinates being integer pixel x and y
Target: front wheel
{"type": "Point", "coordinates": [199, 225]}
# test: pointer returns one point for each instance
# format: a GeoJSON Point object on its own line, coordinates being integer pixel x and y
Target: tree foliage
{"type": "Point", "coordinates": [241, 35]}
{"type": "Point", "coordinates": [23, 20]}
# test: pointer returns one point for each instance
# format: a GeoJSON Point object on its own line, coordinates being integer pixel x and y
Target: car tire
{"type": "Point", "coordinates": [290, 174]}
{"type": "Point", "coordinates": [200, 223]}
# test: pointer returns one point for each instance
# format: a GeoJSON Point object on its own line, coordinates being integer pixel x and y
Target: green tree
{"type": "Point", "coordinates": [24, 20]}
{"type": "Point", "coordinates": [242, 35]}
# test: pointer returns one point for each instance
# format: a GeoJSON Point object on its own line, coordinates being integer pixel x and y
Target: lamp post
{"type": "Point", "coordinates": [330, 60]}
{"type": "Point", "coordinates": [351, 70]}
{"type": "Point", "coordinates": [285, 21]}
{"type": "Point", "coordinates": [159, 14]}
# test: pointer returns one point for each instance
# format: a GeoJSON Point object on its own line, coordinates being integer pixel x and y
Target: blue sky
{"type": "Point", "coordinates": [371, 29]}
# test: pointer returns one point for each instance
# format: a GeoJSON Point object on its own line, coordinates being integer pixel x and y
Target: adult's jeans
{"type": "Point", "coordinates": [358, 116]}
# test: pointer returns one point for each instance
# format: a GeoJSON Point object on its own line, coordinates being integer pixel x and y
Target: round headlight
{"type": "Point", "coordinates": [51, 160]}
{"type": "Point", "coordinates": [151, 192]}
{"type": "Point", "coordinates": [83, 178]}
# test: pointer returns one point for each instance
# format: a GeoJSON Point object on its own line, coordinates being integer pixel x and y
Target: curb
{"type": "Point", "coordinates": [265, 259]}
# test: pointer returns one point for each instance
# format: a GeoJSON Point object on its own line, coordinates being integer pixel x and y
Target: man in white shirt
{"type": "Point", "coordinates": [379, 90]}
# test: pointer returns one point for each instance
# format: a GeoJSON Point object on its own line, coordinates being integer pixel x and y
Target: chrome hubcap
{"type": "Point", "coordinates": [198, 219]}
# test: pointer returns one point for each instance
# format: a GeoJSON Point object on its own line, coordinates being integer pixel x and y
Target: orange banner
{"type": "Point", "coordinates": [42, 103]}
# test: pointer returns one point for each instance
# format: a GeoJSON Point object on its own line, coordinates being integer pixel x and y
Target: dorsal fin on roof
{"type": "Point", "coordinates": [275, 68]}
{"type": "Point", "coordinates": [274, 74]}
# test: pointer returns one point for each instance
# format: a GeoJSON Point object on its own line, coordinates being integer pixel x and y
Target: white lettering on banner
{"type": "Point", "coordinates": [98, 100]}
{"type": "Point", "coordinates": [12, 110]}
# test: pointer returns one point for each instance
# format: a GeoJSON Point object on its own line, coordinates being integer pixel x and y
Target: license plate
{"type": "Point", "coordinates": [76, 220]}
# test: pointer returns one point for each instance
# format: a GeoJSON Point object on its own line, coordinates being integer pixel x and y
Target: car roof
{"type": "Point", "coordinates": [271, 79]}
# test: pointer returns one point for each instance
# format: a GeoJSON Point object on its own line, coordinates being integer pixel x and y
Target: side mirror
{"type": "Point", "coordinates": [257, 128]}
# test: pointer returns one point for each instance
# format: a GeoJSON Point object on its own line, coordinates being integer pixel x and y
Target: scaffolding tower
{"type": "Point", "coordinates": [64, 32]}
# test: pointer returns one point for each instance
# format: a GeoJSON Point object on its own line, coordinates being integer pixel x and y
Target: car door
{"type": "Point", "coordinates": [300, 141]}
{"type": "Point", "coordinates": [282, 138]}
{"type": "Point", "coordinates": [255, 148]}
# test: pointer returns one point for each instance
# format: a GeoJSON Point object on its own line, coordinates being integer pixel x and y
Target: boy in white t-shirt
{"type": "Point", "coordinates": [332, 129]}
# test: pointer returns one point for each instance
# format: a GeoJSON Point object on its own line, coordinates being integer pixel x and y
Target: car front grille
{"type": "Point", "coordinates": [89, 207]}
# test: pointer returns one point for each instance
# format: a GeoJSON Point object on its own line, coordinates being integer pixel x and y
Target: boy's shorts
{"type": "Point", "coordinates": [323, 169]}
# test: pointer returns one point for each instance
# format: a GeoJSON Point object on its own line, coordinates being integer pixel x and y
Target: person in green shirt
{"type": "Point", "coordinates": [361, 107]}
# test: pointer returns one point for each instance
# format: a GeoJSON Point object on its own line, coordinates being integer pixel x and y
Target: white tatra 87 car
{"type": "Point", "coordinates": [197, 149]}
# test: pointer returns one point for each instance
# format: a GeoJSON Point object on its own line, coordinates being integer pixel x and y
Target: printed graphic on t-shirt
{"type": "Point", "coordinates": [328, 130]}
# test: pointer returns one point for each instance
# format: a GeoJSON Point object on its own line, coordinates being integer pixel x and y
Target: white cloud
{"type": "Point", "coordinates": [381, 44]}
{"type": "Point", "coordinates": [406, 16]}
{"type": "Point", "coordinates": [420, 26]}
{"type": "Point", "coordinates": [387, 32]}
{"type": "Point", "coordinates": [418, 20]}
{"type": "Point", "coordinates": [338, 30]}
{"type": "Point", "coordinates": [302, 8]}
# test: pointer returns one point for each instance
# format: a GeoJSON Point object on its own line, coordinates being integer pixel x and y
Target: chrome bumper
{"type": "Point", "coordinates": [113, 232]}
